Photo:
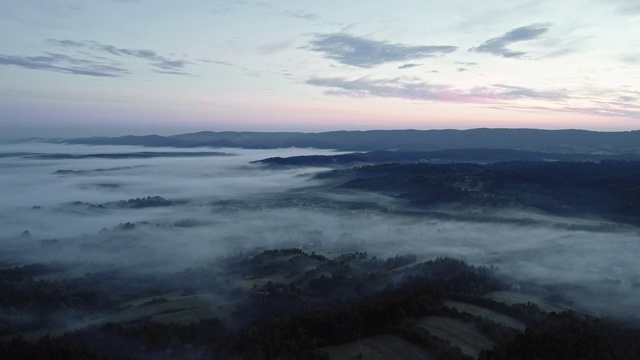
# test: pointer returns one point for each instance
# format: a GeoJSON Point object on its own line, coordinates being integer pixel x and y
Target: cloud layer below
{"type": "Point", "coordinates": [227, 205]}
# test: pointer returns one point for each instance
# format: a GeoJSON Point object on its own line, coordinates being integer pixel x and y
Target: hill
{"type": "Point", "coordinates": [559, 141]}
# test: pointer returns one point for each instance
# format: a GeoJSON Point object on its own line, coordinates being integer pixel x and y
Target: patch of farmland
{"type": "Point", "coordinates": [463, 335]}
{"type": "Point", "coordinates": [170, 308]}
{"type": "Point", "coordinates": [510, 297]}
{"type": "Point", "coordinates": [383, 347]}
{"type": "Point", "coordinates": [487, 314]}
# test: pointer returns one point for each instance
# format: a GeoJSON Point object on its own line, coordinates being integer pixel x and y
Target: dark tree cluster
{"type": "Point", "coordinates": [341, 300]}
{"type": "Point", "coordinates": [297, 336]}
{"type": "Point", "coordinates": [569, 336]}
{"type": "Point", "coordinates": [149, 201]}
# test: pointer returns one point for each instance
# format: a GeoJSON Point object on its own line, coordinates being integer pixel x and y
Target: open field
{"type": "Point", "coordinates": [487, 314]}
{"type": "Point", "coordinates": [460, 334]}
{"type": "Point", "coordinates": [381, 347]}
{"type": "Point", "coordinates": [509, 297]}
{"type": "Point", "coordinates": [171, 308]}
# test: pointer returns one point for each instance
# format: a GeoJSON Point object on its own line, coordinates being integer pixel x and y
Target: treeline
{"type": "Point", "coordinates": [291, 336]}
{"type": "Point", "coordinates": [298, 336]}
{"type": "Point", "coordinates": [481, 155]}
{"type": "Point", "coordinates": [607, 188]}
{"type": "Point", "coordinates": [302, 335]}
{"type": "Point", "coordinates": [569, 336]}
{"type": "Point", "coordinates": [341, 300]}
{"type": "Point", "coordinates": [293, 320]}
{"type": "Point", "coordinates": [33, 294]}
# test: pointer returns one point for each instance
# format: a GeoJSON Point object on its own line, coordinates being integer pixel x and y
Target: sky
{"type": "Point", "coordinates": [109, 67]}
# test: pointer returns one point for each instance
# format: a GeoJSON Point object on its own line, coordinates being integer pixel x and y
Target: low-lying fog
{"type": "Point", "coordinates": [225, 204]}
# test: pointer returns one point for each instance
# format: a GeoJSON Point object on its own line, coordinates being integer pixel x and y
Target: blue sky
{"type": "Point", "coordinates": [158, 66]}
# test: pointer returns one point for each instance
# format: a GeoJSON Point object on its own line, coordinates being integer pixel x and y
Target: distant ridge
{"type": "Point", "coordinates": [557, 141]}
{"type": "Point", "coordinates": [481, 156]}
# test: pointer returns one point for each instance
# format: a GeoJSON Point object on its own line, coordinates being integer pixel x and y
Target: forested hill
{"type": "Point", "coordinates": [561, 141]}
{"type": "Point", "coordinates": [439, 156]}
{"type": "Point", "coordinates": [610, 189]}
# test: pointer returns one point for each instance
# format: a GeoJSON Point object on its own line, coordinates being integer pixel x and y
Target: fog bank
{"type": "Point", "coordinates": [216, 206]}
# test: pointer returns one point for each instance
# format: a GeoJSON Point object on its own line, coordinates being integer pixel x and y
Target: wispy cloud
{"type": "Point", "coordinates": [83, 58]}
{"type": "Point", "coordinates": [466, 67]}
{"type": "Point", "coordinates": [518, 92]}
{"type": "Point", "coordinates": [161, 63]}
{"type": "Point", "coordinates": [275, 47]}
{"type": "Point", "coordinates": [216, 62]}
{"type": "Point", "coordinates": [499, 96]}
{"type": "Point", "coordinates": [300, 15]}
{"type": "Point", "coordinates": [499, 45]}
{"type": "Point", "coordinates": [628, 7]}
{"type": "Point", "coordinates": [309, 17]}
{"type": "Point", "coordinates": [410, 89]}
{"type": "Point", "coordinates": [222, 11]}
{"type": "Point", "coordinates": [627, 98]}
{"type": "Point", "coordinates": [633, 59]}
{"type": "Point", "coordinates": [63, 64]}
{"type": "Point", "coordinates": [366, 53]}
{"type": "Point", "coordinates": [606, 110]}
{"type": "Point", "coordinates": [408, 66]}
{"type": "Point", "coordinates": [243, 3]}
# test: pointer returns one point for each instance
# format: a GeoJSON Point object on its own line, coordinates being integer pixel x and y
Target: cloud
{"type": "Point", "coordinates": [499, 46]}
{"type": "Point", "coordinates": [628, 7]}
{"type": "Point", "coordinates": [69, 43]}
{"type": "Point", "coordinates": [300, 15]}
{"type": "Point", "coordinates": [275, 47]}
{"type": "Point", "coordinates": [408, 66]}
{"type": "Point", "coordinates": [602, 109]}
{"type": "Point", "coordinates": [417, 90]}
{"type": "Point", "coordinates": [601, 103]}
{"type": "Point", "coordinates": [626, 98]}
{"type": "Point", "coordinates": [63, 64]}
{"type": "Point", "coordinates": [466, 66]}
{"type": "Point", "coordinates": [216, 62]}
{"type": "Point", "coordinates": [366, 53]}
{"type": "Point", "coordinates": [86, 62]}
{"type": "Point", "coordinates": [162, 63]}
{"type": "Point", "coordinates": [522, 92]}
{"type": "Point", "coordinates": [632, 59]}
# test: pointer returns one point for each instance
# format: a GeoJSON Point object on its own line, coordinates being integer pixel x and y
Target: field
{"type": "Point", "coordinates": [509, 297]}
{"type": "Point", "coordinates": [378, 348]}
{"type": "Point", "coordinates": [170, 308]}
{"type": "Point", "coordinates": [460, 334]}
{"type": "Point", "coordinates": [487, 314]}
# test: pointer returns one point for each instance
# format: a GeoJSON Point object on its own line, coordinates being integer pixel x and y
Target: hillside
{"type": "Point", "coordinates": [560, 141]}
{"type": "Point", "coordinates": [609, 189]}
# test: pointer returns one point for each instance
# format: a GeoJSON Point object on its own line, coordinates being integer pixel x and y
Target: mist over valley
{"type": "Point", "coordinates": [169, 235]}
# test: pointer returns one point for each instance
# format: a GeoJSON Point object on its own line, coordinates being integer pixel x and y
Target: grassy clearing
{"type": "Point", "coordinates": [381, 347]}
{"type": "Point", "coordinates": [460, 334]}
{"type": "Point", "coordinates": [171, 308]}
{"type": "Point", "coordinates": [487, 314]}
{"type": "Point", "coordinates": [509, 297]}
